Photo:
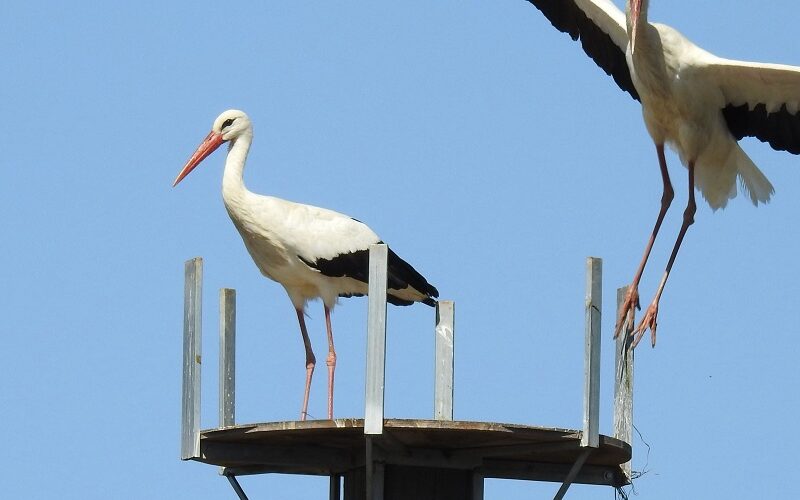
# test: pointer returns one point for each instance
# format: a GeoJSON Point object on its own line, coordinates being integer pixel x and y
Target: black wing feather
{"type": "Point", "coordinates": [780, 129]}
{"type": "Point", "coordinates": [400, 274]}
{"type": "Point", "coordinates": [568, 18]}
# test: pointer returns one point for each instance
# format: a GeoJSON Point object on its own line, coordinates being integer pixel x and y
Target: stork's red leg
{"type": "Point", "coordinates": [631, 303]}
{"type": "Point", "coordinates": [649, 319]}
{"type": "Point", "coordinates": [311, 361]}
{"type": "Point", "coordinates": [331, 361]}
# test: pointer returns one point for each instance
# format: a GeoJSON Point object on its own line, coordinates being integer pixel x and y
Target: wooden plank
{"type": "Point", "coordinates": [239, 453]}
{"type": "Point", "coordinates": [335, 487]}
{"type": "Point", "coordinates": [477, 486]}
{"type": "Point", "coordinates": [376, 340]}
{"type": "Point", "coordinates": [434, 442]}
{"type": "Point", "coordinates": [403, 482]}
{"type": "Point", "coordinates": [227, 357]}
{"type": "Point", "coordinates": [374, 471]}
{"type": "Point", "coordinates": [623, 386]}
{"type": "Point", "coordinates": [443, 388]}
{"type": "Point", "coordinates": [589, 474]}
{"type": "Point", "coordinates": [192, 349]}
{"type": "Point", "coordinates": [591, 389]}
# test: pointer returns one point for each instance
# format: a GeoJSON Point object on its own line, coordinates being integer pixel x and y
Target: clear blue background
{"type": "Point", "coordinates": [478, 141]}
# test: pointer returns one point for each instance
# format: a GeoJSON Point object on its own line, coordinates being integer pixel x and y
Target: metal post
{"type": "Point", "coordinates": [590, 438]}
{"type": "Point", "coordinates": [623, 385]}
{"type": "Point", "coordinates": [443, 389]}
{"type": "Point", "coordinates": [192, 349]}
{"type": "Point", "coordinates": [591, 391]}
{"type": "Point", "coordinates": [376, 340]}
{"type": "Point", "coordinates": [227, 357]}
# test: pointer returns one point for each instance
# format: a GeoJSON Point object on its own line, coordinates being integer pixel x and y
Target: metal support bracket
{"type": "Point", "coordinates": [235, 484]}
{"type": "Point", "coordinates": [573, 472]}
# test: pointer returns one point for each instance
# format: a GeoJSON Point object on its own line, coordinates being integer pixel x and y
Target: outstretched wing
{"type": "Point", "coordinates": [762, 100]}
{"type": "Point", "coordinates": [600, 26]}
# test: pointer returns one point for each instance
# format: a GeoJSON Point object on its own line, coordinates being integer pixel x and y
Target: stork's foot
{"type": "Point", "coordinates": [627, 311]}
{"type": "Point", "coordinates": [648, 321]}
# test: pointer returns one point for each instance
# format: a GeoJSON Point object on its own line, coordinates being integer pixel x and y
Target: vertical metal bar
{"type": "Point", "coordinates": [376, 340]}
{"type": "Point", "coordinates": [591, 388]}
{"type": "Point", "coordinates": [192, 349]}
{"type": "Point", "coordinates": [227, 357]}
{"type": "Point", "coordinates": [623, 386]}
{"type": "Point", "coordinates": [443, 389]}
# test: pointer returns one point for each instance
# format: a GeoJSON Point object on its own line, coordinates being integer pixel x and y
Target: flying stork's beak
{"type": "Point", "coordinates": [636, 9]}
{"type": "Point", "coordinates": [212, 141]}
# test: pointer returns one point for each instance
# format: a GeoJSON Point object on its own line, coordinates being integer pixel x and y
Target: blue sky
{"type": "Point", "coordinates": [479, 142]}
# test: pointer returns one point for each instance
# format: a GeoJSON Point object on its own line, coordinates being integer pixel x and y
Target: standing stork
{"type": "Point", "coordinates": [313, 252]}
{"type": "Point", "coordinates": [696, 102]}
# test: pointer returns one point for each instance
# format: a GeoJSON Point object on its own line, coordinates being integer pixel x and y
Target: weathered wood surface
{"type": "Point", "coordinates": [227, 357]}
{"type": "Point", "coordinates": [591, 388]}
{"type": "Point", "coordinates": [192, 351]}
{"type": "Point", "coordinates": [335, 446]}
{"type": "Point", "coordinates": [623, 385]}
{"type": "Point", "coordinates": [443, 372]}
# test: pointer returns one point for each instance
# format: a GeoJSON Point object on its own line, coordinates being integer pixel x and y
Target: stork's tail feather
{"type": "Point", "coordinates": [717, 180]}
{"type": "Point", "coordinates": [754, 183]}
{"type": "Point", "coordinates": [401, 276]}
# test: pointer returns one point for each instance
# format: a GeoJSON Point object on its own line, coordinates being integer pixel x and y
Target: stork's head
{"type": "Point", "coordinates": [228, 126]}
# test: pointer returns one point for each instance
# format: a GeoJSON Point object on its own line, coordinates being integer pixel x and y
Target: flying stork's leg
{"type": "Point", "coordinates": [628, 308]}
{"type": "Point", "coordinates": [311, 361]}
{"type": "Point", "coordinates": [649, 319]}
{"type": "Point", "coordinates": [331, 361]}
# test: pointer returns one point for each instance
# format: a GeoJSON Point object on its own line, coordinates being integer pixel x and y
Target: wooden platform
{"type": "Point", "coordinates": [337, 447]}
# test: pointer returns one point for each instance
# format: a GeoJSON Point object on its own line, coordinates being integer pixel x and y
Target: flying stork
{"type": "Point", "coordinates": [313, 252]}
{"type": "Point", "coordinates": [696, 102]}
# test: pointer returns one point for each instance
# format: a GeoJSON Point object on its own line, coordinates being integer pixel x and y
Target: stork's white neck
{"type": "Point", "coordinates": [233, 176]}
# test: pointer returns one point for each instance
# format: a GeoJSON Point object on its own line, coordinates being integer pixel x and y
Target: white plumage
{"type": "Point", "coordinates": [313, 252]}
{"type": "Point", "coordinates": [692, 100]}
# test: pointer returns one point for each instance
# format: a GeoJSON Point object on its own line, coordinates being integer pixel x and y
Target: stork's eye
{"type": "Point", "coordinates": [227, 123]}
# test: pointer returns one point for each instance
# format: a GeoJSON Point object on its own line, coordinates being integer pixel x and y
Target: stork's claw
{"type": "Point", "coordinates": [648, 321]}
{"type": "Point", "coordinates": [627, 311]}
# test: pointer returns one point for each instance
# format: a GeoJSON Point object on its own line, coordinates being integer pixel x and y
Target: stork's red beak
{"type": "Point", "coordinates": [636, 10]}
{"type": "Point", "coordinates": [212, 141]}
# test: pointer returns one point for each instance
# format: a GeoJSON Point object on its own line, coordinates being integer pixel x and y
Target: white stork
{"type": "Point", "coordinates": [313, 252]}
{"type": "Point", "coordinates": [696, 102]}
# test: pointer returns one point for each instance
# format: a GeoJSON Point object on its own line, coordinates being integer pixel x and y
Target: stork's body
{"type": "Point", "coordinates": [696, 102]}
{"type": "Point", "coordinates": [313, 252]}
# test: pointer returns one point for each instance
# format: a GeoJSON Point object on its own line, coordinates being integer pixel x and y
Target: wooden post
{"type": "Point", "coordinates": [443, 388]}
{"type": "Point", "coordinates": [192, 351]}
{"type": "Point", "coordinates": [623, 385]}
{"type": "Point", "coordinates": [227, 357]}
{"type": "Point", "coordinates": [591, 392]}
{"type": "Point", "coordinates": [376, 340]}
